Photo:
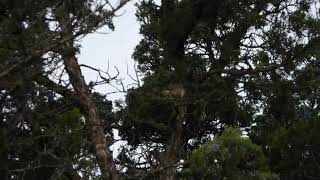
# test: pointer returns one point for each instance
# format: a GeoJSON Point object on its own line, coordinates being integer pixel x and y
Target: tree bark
{"type": "Point", "coordinates": [99, 138]}
{"type": "Point", "coordinates": [101, 146]}
{"type": "Point", "coordinates": [175, 146]}
{"type": "Point", "coordinates": [174, 36]}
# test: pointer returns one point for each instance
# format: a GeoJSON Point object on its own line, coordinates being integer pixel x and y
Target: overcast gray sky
{"type": "Point", "coordinates": [115, 47]}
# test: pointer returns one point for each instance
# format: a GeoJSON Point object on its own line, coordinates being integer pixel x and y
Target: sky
{"type": "Point", "coordinates": [111, 49]}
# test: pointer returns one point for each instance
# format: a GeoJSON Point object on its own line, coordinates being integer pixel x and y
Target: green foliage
{"type": "Point", "coordinates": [43, 134]}
{"type": "Point", "coordinates": [152, 114]}
{"type": "Point", "coordinates": [245, 64]}
{"type": "Point", "coordinates": [69, 125]}
{"type": "Point", "coordinates": [43, 140]}
{"type": "Point", "coordinates": [229, 156]}
{"type": "Point", "coordinates": [294, 151]}
{"type": "Point", "coordinates": [248, 64]}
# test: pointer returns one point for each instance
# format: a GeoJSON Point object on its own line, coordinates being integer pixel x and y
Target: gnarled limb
{"type": "Point", "coordinates": [101, 145]}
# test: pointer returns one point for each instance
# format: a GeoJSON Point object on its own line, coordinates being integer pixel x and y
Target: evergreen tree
{"type": "Point", "coordinates": [210, 64]}
{"type": "Point", "coordinates": [229, 156]}
{"type": "Point", "coordinates": [213, 71]}
{"type": "Point", "coordinates": [38, 48]}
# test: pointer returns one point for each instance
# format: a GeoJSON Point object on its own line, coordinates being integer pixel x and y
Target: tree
{"type": "Point", "coordinates": [207, 64]}
{"type": "Point", "coordinates": [48, 140]}
{"type": "Point", "coordinates": [293, 151]}
{"type": "Point", "coordinates": [228, 156]}
{"type": "Point", "coordinates": [39, 45]}
{"type": "Point", "coordinates": [233, 63]}
{"type": "Point", "coordinates": [40, 141]}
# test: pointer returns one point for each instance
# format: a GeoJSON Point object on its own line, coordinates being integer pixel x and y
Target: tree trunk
{"type": "Point", "coordinates": [175, 146]}
{"type": "Point", "coordinates": [3, 154]}
{"type": "Point", "coordinates": [88, 107]}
